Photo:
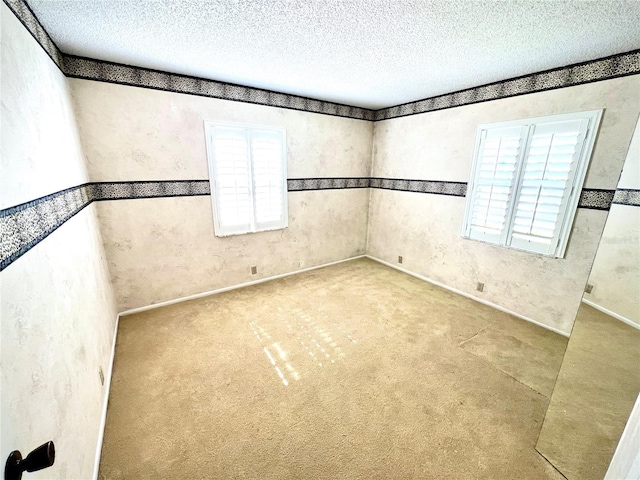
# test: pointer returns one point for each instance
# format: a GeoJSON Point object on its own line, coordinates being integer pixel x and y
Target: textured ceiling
{"type": "Point", "coordinates": [368, 53]}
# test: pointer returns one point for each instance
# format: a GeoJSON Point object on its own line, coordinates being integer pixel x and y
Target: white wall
{"type": "Point", "coordinates": [57, 306]}
{"type": "Point", "coordinates": [164, 248]}
{"type": "Point", "coordinates": [615, 275]}
{"type": "Point", "coordinates": [625, 464]}
{"type": "Point", "coordinates": [425, 228]}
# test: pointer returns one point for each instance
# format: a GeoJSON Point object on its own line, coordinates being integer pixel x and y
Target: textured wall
{"type": "Point", "coordinates": [425, 229]}
{"type": "Point", "coordinates": [626, 460]}
{"type": "Point", "coordinates": [162, 249]}
{"type": "Point", "coordinates": [57, 306]}
{"type": "Point", "coordinates": [616, 269]}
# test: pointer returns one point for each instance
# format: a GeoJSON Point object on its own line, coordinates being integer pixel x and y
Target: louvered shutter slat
{"type": "Point", "coordinates": [526, 181]}
{"type": "Point", "coordinates": [269, 187]}
{"type": "Point", "coordinates": [230, 172]}
{"type": "Point", "coordinates": [498, 156]}
{"type": "Point", "coordinates": [231, 180]}
{"type": "Point", "coordinates": [247, 167]}
{"type": "Point", "coordinates": [548, 172]}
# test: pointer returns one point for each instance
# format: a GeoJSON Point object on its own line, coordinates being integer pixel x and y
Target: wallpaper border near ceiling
{"type": "Point", "coordinates": [606, 68]}
{"type": "Point", "coordinates": [613, 66]}
{"type": "Point", "coordinates": [92, 69]}
{"type": "Point", "coordinates": [23, 226]}
{"type": "Point", "coordinates": [103, 71]}
{"type": "Point", "coordinates": [25, 15]}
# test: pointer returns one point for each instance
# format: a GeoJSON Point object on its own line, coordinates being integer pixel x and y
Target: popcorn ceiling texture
{"type": "Point", "coordinates": [50, 333]}
{"type": "Point", "coordinates": [367, 53]}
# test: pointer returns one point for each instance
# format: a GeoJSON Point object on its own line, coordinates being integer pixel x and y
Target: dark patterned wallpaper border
{"type": "Point", "coordinates": [614, 66]}
{"type": "Point", "coordinates": [627, 196]}
{"type": "Point", "coordinates": [23, 226]}
{"type": "Point", "coordinates": [90, 69]}
{"type": "Point", "coordinates": [25, 15]}
{"type": "Point", "coordinates": [104, 71]}
{"type": "Point", "coordinates": [456, 189]}
{"type": "Point", "coordinates": [606, 68]}
{"type": "Point", "coordinates": [150, 189]}
{"type": "Point", "coordinates": [301, 184]}
{"type": "Point", "coordinates": [596, 198]}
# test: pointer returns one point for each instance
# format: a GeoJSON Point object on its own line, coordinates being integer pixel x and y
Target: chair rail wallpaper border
{"type": "Point", "coordinates": [438, 187]}
{"type": "Point", "coordinates": [596, 198]}
{"type": "Point", "coordinates": [627, 196]}
{"type": "Point", "coordinates": [150, 189]}
{"type": "Point", "coordinates": [25, 225]}
{"type": "Point", "coordinates": [326, 183]}
{"type": "Point", "coordinates": [606, 68]}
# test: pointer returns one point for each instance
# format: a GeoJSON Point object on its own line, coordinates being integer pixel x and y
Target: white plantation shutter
{"type": "Point", "coordinates": [268, 179]}
{"type": "Point", "coordinates": [247, 169]}
{"type": "Point", "coordinates": [493, 187]}
{"type": "Point", "coordinates": [231, 181]}
{"type": "Point", "coordinates": [527, 178]}
{"type": "Point", "coordinates": [547, 179]}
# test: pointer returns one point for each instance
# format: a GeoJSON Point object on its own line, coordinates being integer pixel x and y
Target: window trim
{"type": "Point", "coordinates": [594, 118]}
{"type": "Point", "coordinates": [219, 230]}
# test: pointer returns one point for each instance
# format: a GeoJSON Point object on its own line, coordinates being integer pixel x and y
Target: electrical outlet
{"type": "Point", "coordinates": [399, 259]}
{"type": "Point", "coordinates": [254, 270]}
{"type": "Point", "coordinates": [480, 287]}
{"type": "Point", "coordinates": [101, 373]}
{"type": "Point", "coordinates": [588, 288]}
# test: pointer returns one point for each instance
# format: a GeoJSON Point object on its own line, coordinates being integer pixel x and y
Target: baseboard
{"type": "Point", "coordinates": [233, 287]}
{"type": "Point", "coordinates": [464, 294]}
{"type": "Point", "coordinates": [275, 277]}
{"type": "Point", "coordinates": [107, 388]}
{"type": "Point", "coordinates": [629, 322]}
{"type": "Point", "coordinates": [171, 302]}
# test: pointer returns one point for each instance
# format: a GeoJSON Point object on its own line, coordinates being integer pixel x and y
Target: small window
{"type": "Point", "coordinates": [247, 173]}
{"type": "Point", "coordinates": [527, 176]}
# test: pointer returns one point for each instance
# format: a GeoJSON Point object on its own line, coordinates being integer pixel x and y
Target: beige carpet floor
{"type": "Point", "coordinates": [354, 371]}
{"type": "Point", "coordinates": [597, 387]}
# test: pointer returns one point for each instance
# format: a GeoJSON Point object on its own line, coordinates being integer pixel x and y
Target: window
{"type": "Point", "coordinates": [526, 181]}
{"type": "Point", "coordinates": [247, 172]}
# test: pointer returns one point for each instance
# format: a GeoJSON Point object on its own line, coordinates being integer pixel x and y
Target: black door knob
{"type": "Point", "coordinates": [41, 457]}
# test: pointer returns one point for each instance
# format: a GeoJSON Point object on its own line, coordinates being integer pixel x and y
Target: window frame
{"type": "Point", "coordinates": [567, 215]}
{"type": "Point", "coordinates": [249, 129]}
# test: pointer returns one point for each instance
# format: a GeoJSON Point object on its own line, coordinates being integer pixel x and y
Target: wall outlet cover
{"type": "Point", "coordinates": [480, 287]}
{"type": "Point", "coordinates": [254, 270]}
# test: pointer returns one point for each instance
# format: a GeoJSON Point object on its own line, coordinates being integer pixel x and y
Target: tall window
{"type": "Point", "coordinates": [526, 181]}
{"type": "Point", "coordinates": [247, 172]}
